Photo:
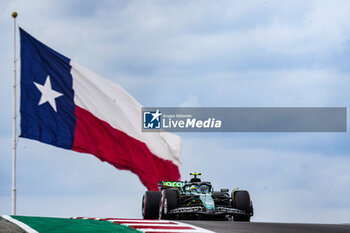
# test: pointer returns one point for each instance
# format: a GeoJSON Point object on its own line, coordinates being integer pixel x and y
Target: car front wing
{"type": "Point", "coordinates": [202, 210]}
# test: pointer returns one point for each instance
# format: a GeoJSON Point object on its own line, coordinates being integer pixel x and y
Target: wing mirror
{"type": "Point", "coordinates": [224, 190]}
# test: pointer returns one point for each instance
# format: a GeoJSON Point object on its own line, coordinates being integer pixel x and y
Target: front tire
{"type": "Point", "coordinates": [241, 200]}
{"type": "Point", "coordinates": [169, 201]}
{"type": "Point", "coordinates": [150, 205]}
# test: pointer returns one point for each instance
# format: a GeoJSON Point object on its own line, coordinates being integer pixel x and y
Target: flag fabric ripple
{"type": "Point", "coordinates": [66, 105]}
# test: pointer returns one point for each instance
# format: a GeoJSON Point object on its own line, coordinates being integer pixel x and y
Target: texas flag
{"type": "Point", "coordinates": [66, 105]}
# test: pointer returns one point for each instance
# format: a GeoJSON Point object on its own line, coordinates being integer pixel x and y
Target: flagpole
{"type": "Point", "coordinates": [14, 133]}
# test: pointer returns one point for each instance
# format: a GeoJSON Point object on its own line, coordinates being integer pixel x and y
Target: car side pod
{"type": "Point", "coordinates": [241, 200]}
{"type": "Point", "coordinates": [150, 205]}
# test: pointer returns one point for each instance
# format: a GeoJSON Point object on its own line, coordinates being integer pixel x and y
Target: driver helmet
{"type": "Point", "coordinates": [195, 188]}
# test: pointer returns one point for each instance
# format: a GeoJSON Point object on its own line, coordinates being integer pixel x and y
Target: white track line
{"type": "Point", "coordinates": [138, 220]}
{"type": "Point", "coordinates": [170, 230]}
{"type": "Point", "coordinates": [144, 222]}
{"type": "Point", "coordinates": [137, 223]}
{"type": "Point", "coordinates": [150, 225]}
{"type": "Point", "coordinates": [199, 229]}
{"type": "Point", "coordinates": [20, 224]}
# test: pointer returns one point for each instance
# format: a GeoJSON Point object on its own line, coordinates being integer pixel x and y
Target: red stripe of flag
{"type": "Point", "coordinates": [94, 136]}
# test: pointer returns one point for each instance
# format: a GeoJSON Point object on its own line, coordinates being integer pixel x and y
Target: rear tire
{"type": "Point", "coordinates": [150, 205]}
{"type": "Point", "coordinates": [241, 200]}
{"type": "Point", "coordinates": [169, 201]}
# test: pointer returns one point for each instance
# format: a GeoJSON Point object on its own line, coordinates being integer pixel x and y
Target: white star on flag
{"type": "Point", "coordinates": [156, 115]}
{"type": "Point", "coordinates": [47, 93]}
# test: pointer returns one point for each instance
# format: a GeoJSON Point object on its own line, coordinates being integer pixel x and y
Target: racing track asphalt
{"type": "Point", "coordinates": [260, 227]}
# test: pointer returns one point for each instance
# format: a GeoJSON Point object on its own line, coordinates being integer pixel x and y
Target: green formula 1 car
{"type": "Point", "coordinates": [196, 200]}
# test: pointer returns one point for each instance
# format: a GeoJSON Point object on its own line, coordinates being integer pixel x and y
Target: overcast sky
{"type": "Point", "coordinates": [196, 54]}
